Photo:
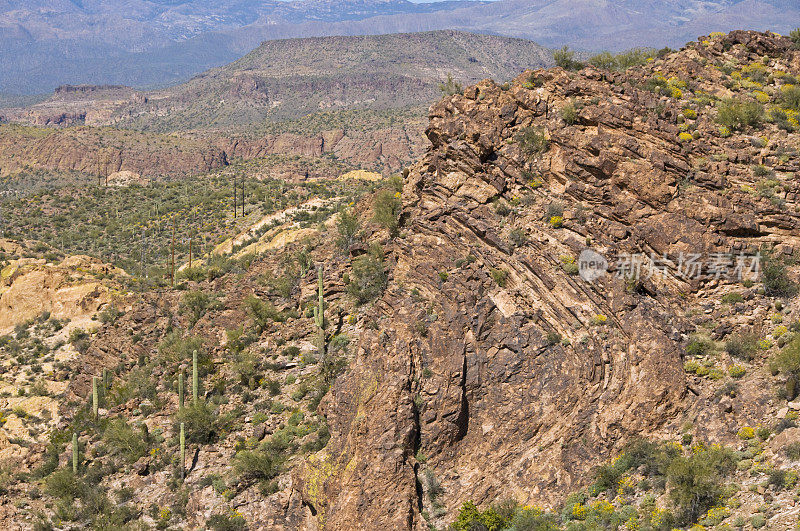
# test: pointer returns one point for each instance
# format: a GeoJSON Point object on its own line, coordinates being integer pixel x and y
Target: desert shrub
{"type": "Point", "coordinates": [470, 518]}
{"type": "Point", "coordinates": [109, 314]}
{"type": "Point", "coordinates": [776, 281]}
{"type": "Point", "coordinates": [259, 464]}
{"type": "Point", "coordinates": [64, 484]}
{"type": "Point", "coordinates": [790, 98]}
{"type": "Point", "coordinates": [386, 210]}
{"type": "Point", "coordinates": [451, 87]}
{"type": "Point", "coordinates": [500, 276]}
{"type": "Point", "coordinates": [737, 115]}
{"type": "Point", "coordinates": [123, 440]}
{"type": "Point", "coordinates": [368, 277]}
{"type": "Point", "coordinates": [201, 422]}
{"type": "Point", "coordinates": [194, 273]}
{"type": "Point", "coordinates": [518, 237]}
{"type": "Point", "coordinates": [742, 346]}
{"type": "Point", "coordinates": [696, 481]}
{"type": "Point", "coordinates": [565, 58]}
{"type": "Point", "coordinates": [569, 113]}
{"type": "Point", "coordinates": [194, 304]}
{"type": "Point", "coordinates": [732, 298]}
{"type": "Point", "coordinates": [223, 522]}
{"type": "Point", "coordinates": [176, 348]}
{"type": "Point", "coordinates": [139, 383]}
{"type": "Point", "coordinates": [604, 60]}
{"type": "Point", "coordinates": [792, 450]}
{"type": "Point", "coordinates": [262, 312]}
{"type": "Point", "coordinates": [787, 362]}
{"type": "Point", "coordinates": [795, 36]}
{"type": "Point", "coordinates": [697, 347]}
{"type": "Point", "coordinates": [532, 141]}
{"type": "Point", "coordinates": [347, 227]}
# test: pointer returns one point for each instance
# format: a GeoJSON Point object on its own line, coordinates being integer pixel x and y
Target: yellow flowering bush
{"type": "Point", "coordinates": [599, 319]}
{"type": "Point", "coordinates": [690, 113]}
{"type": "Point", "coordinates": [746, 433]}
{"type": "Point", "coordinates": [626, 485]}
{"type": "Point", "coordinates": [765, 344]}
{"type": "Point", "coordinates": [602, 508]}
{"type": "Point", "coordinates": [579, 511]}
{"type": "Point", "coordinates": [685, 137]}
{"type": "Point", "coordinates": [556, 222]}
{"type": "Point", "coordinates": [737, 371]}
{"type": "Point", "coordinates": [761, 96]}
{"type": "Point", "coordinates": [724, 131]}
{"type": "Point", "coordinates": [536, 183]}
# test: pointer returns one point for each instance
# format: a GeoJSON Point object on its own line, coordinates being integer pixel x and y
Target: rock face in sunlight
{"type": "Point", "coordinates": [508, 372]}
{"type": "Point", "coordinates": [69, 290]}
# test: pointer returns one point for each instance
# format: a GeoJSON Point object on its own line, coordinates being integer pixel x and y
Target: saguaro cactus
{"type": "Point", "coordinates": [180, 390]}
{"type": "Point", "coordinates": [183, 453]}
{"type": "Point", "coordinates": [95, 397]}
{"type": "Point", "coordinates": [195, 382]}
{"type": "Point", "coordinates": [75, 452]}
{"type": "Point", "coordinates": [319, 311]}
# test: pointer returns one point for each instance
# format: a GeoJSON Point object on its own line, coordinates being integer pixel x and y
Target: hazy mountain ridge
{"type": "Point", "coordinates": [154, 43]}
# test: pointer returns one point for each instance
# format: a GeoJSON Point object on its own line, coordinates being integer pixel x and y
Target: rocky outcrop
{"type": "Point", "coordinates": [511, 375]}
{"type": "Point", "coordinates": [68, 290]}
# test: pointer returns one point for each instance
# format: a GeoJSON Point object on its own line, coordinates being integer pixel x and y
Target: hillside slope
{"type": "Point", "coordinates": [441, 344]}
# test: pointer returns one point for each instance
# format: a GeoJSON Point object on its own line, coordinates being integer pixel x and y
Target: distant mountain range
{"type": "Point", "coordinates": [46, 43]}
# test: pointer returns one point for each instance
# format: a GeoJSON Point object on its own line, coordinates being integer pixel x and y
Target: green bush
{"type": "Point", "coordinates": [368, 278]}
{"type": "Point", "coordinates": [787, 362]}
{"type": "Point", "coordinates": [194, 304]}
{"type": "Point", "coordinates": [790, 98]}
{"type": "Point", "coordinates": [795, 36]}
{"type": "Point", "coordinates": [201, 422]}
{"type": "Point", "coordinates": [347, 226]}
{"type": "Point", "coordinates": [698, 347]}
{"type": "Point", "coordinates": [123, 440]}
{"type": "Point", "coordinates": [64, 484]}
{"type": "Point", "coordinates": [177, 348]}
{"type": "Point", "coordinates": [386, 210]}
{"type": "Point", "coordinates": [737, 115]}
{"type": "Point", "coordinates": [776, 281]}
{"type": "Point", "coordinates": [500, 276]}
{"type": "Point", "coordinates": [532, 141]}
{"type": "Point", "coordinates": [470, 519]}
{"type": "Point", "coordinates": [221, 522]}
{"type": "Point", "coordinates": [732, 298]}
{"type": "Point", "coordinates": [696, 481]}
{"type": "Point", "coordinates": [565, 58]}
{"type": "Point", "coordinates": [742, 346]}
{"type": "Point", "coordinates": [569, 113]}
{"type": "Point", "coordinates": [257, 464]}
{"type": "Point", "coordinates": [262, 313]}
{"type": "Point", "coordinates": [792, 450]}
{"type": "Point", "coordinates": [450, 87]}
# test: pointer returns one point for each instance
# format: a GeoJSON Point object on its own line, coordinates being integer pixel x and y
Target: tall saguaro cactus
{"type": "Point", "coordinates": [183, 453]}
{"type": "Point", "coordinates": [75, 452]}
{"type": "Point", "coordinates": [180, 390]}
{"type": "Point", "coordinates": [95, 397]}
{"type": "Point", "coordinates": [195, 382]}
{"type": "Point", "coordinates": [319, 311]}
